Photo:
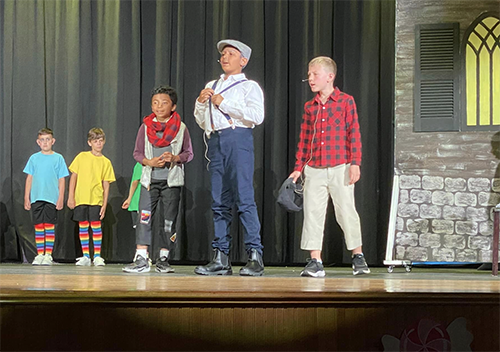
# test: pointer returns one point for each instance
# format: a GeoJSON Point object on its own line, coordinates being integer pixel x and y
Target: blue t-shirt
{"type": "Point", "coordinates": [46, 170]}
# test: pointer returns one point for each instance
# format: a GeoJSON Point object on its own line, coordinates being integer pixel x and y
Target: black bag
{"type": "Point", "coordinates": [290, 196]}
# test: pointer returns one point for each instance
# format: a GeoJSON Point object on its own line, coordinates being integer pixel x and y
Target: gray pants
{"type": "Point", "coordinates": [148, 202]}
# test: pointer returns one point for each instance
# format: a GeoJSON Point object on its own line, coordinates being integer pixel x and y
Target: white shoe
{"type": "Point", "coordinates": [47, 260]}
{"type": "Point", "coordinates": [98, 261]}
{"type": "Point", "coordinates": [38, 259]}
{"type": "Point", "coordinates": [83, 261]}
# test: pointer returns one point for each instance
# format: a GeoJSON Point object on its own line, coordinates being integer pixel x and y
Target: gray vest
{"type": "Point", "coordinates": [175, 176]}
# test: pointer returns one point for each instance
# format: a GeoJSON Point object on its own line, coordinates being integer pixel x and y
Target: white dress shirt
{"type": "Point", "coordinates": [244, 103]}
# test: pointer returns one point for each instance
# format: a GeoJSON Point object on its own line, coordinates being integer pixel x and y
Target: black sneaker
{"type": "Point", "coordinates": [313, 269]}
{"type": "Point", "coordinates": [359, 265]}
{"type": "Point", "coordinates": [140, 265]}
{"type": "Point", "coordinates": [162, 266]}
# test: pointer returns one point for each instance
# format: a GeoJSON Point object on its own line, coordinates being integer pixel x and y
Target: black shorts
{"type": "Point", "coordinates": [87, 213]}
{"type": "Point", "coordinates": [43, 212]}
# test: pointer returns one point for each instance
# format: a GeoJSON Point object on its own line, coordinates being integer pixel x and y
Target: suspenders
{"type": "Point", "coordinates": [210, 102]}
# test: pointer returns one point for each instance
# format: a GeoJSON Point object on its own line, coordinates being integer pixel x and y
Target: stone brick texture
{"type": "Point", "coordinates": [449, 181]}
{"type": "Point", "coordinates": [445, 219]}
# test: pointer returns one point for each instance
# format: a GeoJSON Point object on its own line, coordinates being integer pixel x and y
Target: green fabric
{"type": "Point", "coordinates": [136, 175]}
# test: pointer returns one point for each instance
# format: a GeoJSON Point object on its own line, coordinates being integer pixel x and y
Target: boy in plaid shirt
{"type": "Point", "coordinates": [329, 155]}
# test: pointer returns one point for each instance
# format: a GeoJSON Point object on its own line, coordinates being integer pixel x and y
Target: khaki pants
{"type": "Point", "coordinates": [320, 183]}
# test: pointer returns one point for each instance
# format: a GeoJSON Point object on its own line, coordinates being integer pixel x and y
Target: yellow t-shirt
{"type": "Point", "coordinates": [91, 171]}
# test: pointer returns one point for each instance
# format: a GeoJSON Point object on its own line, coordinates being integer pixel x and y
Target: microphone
{"type": "Point", "coordinates": [305, 80]}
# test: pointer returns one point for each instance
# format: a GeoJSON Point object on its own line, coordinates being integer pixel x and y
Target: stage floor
{"type": "Point", "coordinates": [280, 311]}
{"type": "Point", "coordinates": [280, 281]}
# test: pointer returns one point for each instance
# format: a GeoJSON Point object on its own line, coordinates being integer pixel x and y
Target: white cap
{"type": "Point", "coordinates": [244, 49]}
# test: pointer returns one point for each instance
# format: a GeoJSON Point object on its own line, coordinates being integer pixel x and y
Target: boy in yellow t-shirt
{"type": "Point", "coordinates": [91, 174]}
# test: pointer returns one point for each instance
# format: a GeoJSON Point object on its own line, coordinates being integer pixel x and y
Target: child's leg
{"type": "Point", "coordinates": [345, 209]}
{"type": "Point", "coordinates": [84, 237]}
{"type": "Point", "coordinates": [315, 207]}
{"type": "Point", "coordinates": [40, 238]}
{"type": "Point", "coordinates": [148, 203]}
{"type": "Point", "coordinates": [96, 237]}
{"type": "Point", "coordinates": [171, 200]}
{"type": "Point", "coordinates": [316, 254]}
{"type": "Point", "coordinates": [49, 237]}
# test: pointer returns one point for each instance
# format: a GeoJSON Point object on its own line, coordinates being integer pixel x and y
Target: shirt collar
{"type": "Point", "coordinates": [233, 78]}
{"type": "Point", "coordinates": [334, 96]}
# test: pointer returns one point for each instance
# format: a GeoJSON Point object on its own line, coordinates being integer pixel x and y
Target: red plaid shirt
{"type": "Point", "coordinates": [337, 139]}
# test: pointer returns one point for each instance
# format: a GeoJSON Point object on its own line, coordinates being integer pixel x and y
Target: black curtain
{"type": "Point", "coordinates": [73, 65]}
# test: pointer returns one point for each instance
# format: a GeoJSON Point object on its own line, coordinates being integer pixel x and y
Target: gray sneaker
{"type": "Point", "coordinates": [313, 269]}
{"type": "Point", "coordinates": [162, 266]}
{"type": "Point", "coordinates": [140, 265]}
{"type": "Point", "coordinates": [359, 265]}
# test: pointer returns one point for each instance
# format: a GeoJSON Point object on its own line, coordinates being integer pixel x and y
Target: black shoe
{"type": "Point", "coordinates": [359, 265]}
{"type": "Point", "coordinates": [162, 266]}
{"type": "Point", "coordinates": [313, 269]}
{"type": "Point", "coordinates": [220, 265]}
{"type": "Point", "coordinates": [255, 265]}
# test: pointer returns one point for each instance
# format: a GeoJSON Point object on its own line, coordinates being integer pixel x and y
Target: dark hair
{"type": "Point", "coordinates": [45, 130]}
{"type": "Point", "coordinates": [165, 90]}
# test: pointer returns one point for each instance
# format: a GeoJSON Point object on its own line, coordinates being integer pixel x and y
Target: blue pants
{"type": "Point", "coordinates": [231, 170]}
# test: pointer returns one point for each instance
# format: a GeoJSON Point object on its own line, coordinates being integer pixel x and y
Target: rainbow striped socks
{"type": "Point", "coordinates": [40, 238]}
{"type": "Point", "coordinates": [84, 237]}
{"type": "Point", "coordinates": [96, 237]}
{"type": "Point", "coordinates": [49, 238]}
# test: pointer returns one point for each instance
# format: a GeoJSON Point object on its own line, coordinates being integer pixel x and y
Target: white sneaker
{"type": "Point", "coordinates": [38, 259]}
{"type": "Point", "coordinates": [47, 260]}
{"type": "Point", "coordinates": [98, 261]}
{"type": "Point", "coordinates": [83, 261]}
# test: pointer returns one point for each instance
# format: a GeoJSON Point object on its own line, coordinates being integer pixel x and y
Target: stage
{"type": "Point", "coordinates": [65, 307]}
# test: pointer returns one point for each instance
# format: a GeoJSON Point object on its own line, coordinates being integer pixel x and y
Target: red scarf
{"type": "Point", "coordinates": [169, 129]}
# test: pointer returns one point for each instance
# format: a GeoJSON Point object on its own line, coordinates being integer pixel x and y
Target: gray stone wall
{"type": "Point", "coordinates": [448, 180]}
{"type": "Point", "coordinates": [445, 219]}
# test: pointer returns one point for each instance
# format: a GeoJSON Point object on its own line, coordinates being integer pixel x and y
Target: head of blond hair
{"type": "Point", "coordinates": [327, 63]}
{"type": "Point", "coordinates": [96, 133]}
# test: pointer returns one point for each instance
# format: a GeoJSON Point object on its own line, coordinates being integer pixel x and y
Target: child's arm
{"type": "Point", "coordinates": [354, 138]}
{"type": "Point", "coordinates": [139, 155]}
{"type": "Point", "coordinates": [105, 187]}
{"type": "Point", "coordinates": [303, 149]}
{"type": "Point", "coordinates": [133, 187]}
{"type": "Point", "coordinates": [251, 108]}
{"type": "Point", "coordinates": [186, 153]}
{"type": "Point", "coordinates": [27, 191]}
{"type": "Point", "coordinates": [354, 174]}
{"type": "Point", "coordinates": [60, 200]}
{"type": "Point", "coordinates": [201, 111]}
{"type": "Point", "coordinates": [71, 190]}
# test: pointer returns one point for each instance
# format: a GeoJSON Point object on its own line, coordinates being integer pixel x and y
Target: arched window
{"type": "Point", "coordinates": [481, 54]}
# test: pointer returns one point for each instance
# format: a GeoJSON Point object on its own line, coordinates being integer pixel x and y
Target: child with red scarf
{"type": "Point", "coordinates": [163, 146]}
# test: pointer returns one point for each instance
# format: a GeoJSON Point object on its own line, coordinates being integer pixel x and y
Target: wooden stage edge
{"type": "Point", "coordinates": [105, 309]}
{"type": "Point", "coordinates": [280, 285]}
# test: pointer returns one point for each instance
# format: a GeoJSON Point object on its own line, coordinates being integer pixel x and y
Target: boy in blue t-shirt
{"type": "Point", "coordinates": [44, 193]}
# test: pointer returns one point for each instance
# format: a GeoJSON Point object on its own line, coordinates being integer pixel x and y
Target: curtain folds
{"type": "Point", "coordinates": [72, 65]}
